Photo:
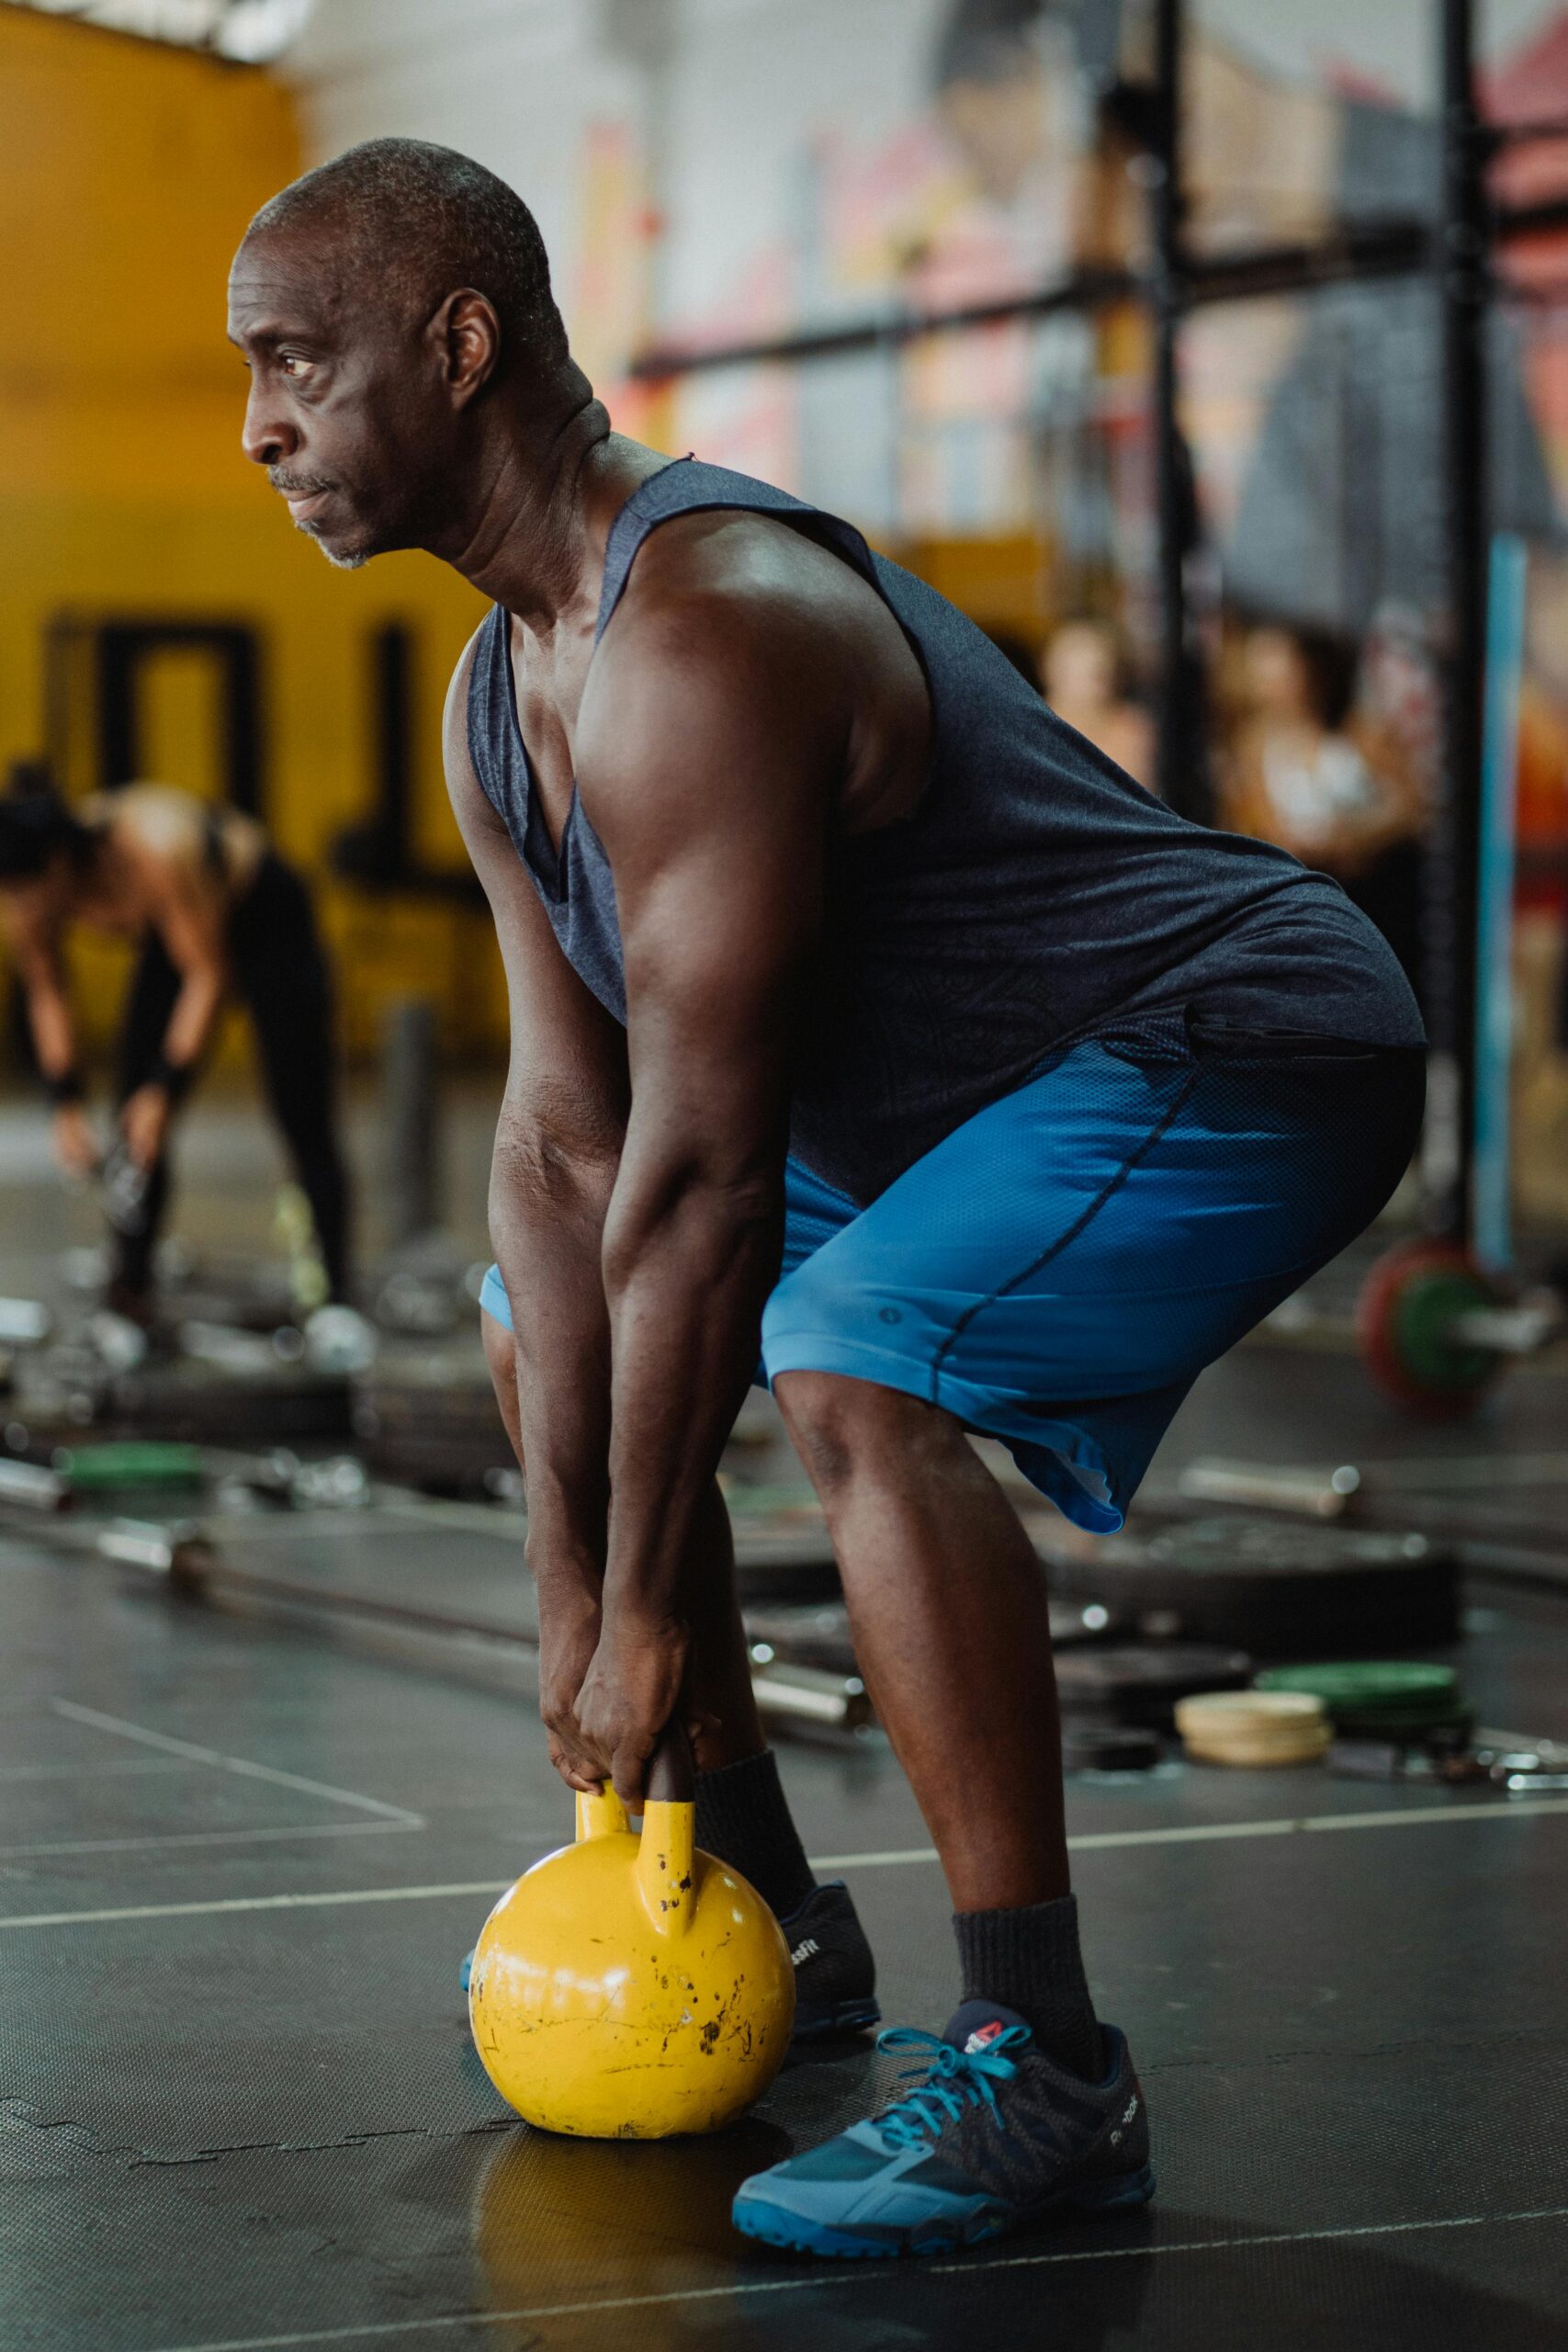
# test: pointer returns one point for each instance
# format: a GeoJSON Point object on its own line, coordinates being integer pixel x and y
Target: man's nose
{"type": "Point", "coordinates": [268, 438]}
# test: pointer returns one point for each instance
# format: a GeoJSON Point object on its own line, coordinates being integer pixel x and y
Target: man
{"type": "Point", "coordinates": [830, 952]}
{"type": "Point", "coordinates": [213, 910]}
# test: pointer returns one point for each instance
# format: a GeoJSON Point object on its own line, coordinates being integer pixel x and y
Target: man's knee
{"type": "Point", "coordinates": [842, 1427]}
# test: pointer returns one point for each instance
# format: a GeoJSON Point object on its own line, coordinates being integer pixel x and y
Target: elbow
{"type": "Point", "coordinates": [713, 1215]}
{"type": "Point", "coordinates": [537, 1171]}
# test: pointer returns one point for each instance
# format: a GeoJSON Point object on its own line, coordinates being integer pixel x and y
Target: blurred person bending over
{"type": "Point", "coordinates": [213, 909]}
{"type": "Point", "coordinates": [865, 1018]}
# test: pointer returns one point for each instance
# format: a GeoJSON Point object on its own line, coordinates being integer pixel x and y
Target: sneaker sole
{"type": "Point", "coordinates": [847, 2017]}
{"type": "Point", "coordinates": [772, 2225]}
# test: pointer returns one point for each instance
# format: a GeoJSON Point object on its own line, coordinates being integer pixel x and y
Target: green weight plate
{"type": "Point", "coordinates": [134, 1462]}
{"type": "Point", "coordinates": [1426, 1318]}
{"type": "Point", "coordinates": [1408, 1690]}
{"type": "Point", "coordinates": [1409, 1315]}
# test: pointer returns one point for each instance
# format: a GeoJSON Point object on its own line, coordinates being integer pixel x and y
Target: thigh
{"type": "Point", "coordinates": [1105, 1230]}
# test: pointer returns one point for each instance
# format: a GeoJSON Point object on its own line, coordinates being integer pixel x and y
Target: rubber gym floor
{"type": "Point", "coordinates": [242, 1855]}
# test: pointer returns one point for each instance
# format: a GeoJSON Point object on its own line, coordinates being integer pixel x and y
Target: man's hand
{"type": "Point", "coordinates": [631, 1691]}
{"type": "Point", "coordinates": [568, 1636]}
{"type": "Point", "coordinates": [144, 1122]}
{"type": "Point", "coordinates": [76, 1150]}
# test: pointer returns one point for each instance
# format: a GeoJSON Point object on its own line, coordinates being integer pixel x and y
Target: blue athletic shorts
{"type": "Point", "coordinates": [1058, 1269]}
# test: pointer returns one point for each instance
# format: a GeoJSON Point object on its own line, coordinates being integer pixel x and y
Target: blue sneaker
{"type": "Point", "coordinates": [995, 2135]}
{"type": "Point", "coordinates": [835, 1975]}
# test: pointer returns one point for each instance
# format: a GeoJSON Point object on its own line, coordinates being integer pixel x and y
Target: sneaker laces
{"type": "Point", "coordinates": [952, 2079]}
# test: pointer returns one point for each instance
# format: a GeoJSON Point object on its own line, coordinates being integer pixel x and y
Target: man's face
{"type": "Point", "coordinates": [347, 411]}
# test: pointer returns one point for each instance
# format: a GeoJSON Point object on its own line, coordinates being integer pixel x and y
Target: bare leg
{"type": "Point", "coordinates": [718, 1676]}
{"type": "Point", "coordinates": [948, 1609]}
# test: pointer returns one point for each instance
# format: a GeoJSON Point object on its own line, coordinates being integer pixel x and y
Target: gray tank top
{"type": "Point", "coordinates": [1035, 895]}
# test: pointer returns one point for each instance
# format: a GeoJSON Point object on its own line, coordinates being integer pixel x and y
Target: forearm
{"type": "Point", "coordinates": [547, 1225]}
{"type": "Point", "coordinates": [686, 1281]}
{"type": "Point", "coordinates": [53, 1032]}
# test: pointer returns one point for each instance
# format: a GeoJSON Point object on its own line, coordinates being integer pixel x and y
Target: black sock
{"type": "Point", "coordinates": [1029, 1959]}
{"type": "Point", "coordinates": [743, 1818]}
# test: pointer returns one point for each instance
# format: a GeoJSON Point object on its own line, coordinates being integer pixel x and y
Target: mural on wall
{"type": "Point", "coordinates": [1019, 156]}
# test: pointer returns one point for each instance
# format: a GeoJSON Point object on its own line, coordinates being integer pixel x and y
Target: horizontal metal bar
{"type": "Point", "coordinates": [1372, 249]}
{"type": "Point", "coordinates": [1355, 253]}
{"type": "Point", "coordinates": [1535, 219]}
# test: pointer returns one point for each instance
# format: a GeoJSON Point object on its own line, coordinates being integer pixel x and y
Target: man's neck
{"type": "Point", "coordinates": [532, 539]}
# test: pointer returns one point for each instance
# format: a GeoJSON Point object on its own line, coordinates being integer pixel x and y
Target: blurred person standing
{"type": "Point", "coordinates": [1084, 676]}
{"type": "Point", "coordinates": [1337, 789]}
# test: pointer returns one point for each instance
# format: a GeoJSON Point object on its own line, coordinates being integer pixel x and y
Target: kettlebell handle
{"type": "Point", "coordinates": [672, 1775]}
{"type": "Point", "coordinates": [666, 1857]}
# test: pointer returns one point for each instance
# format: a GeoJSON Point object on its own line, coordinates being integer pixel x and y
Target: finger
{"type": "Point", "coordinates": [630, 1763]}
{"type": "Point", "coordinates": [576, 1774]}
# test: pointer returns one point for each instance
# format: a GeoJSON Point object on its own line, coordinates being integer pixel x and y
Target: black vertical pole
{"type": "Point", "coordinates": [391, 651]}
{"type": "Point", "coordinates": [1180, 749]}
{"type": "Point", "coordinates": [1454, 845]}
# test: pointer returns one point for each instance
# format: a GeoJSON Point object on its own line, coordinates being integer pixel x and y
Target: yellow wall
{"type": "Point", "coordinates": [128, 172]}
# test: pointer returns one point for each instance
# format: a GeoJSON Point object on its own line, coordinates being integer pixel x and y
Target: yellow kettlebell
{"type": "Point", "coordinates": [629, 1989]}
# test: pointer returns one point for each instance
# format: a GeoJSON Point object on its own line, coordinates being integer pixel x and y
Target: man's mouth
{"type": "Point", "coordinates": [303, 498]}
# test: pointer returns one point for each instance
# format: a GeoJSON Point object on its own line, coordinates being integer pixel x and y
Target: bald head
{"type": "Point", "coordinates": [403, 218]}
{"type": "Point", "coordinates": [394, 309]}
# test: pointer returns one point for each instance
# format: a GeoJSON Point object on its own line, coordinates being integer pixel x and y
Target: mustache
{"type": "Point", "coordinates": [297, 485]}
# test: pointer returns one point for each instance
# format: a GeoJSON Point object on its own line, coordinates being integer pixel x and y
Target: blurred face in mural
{"type": "Point", "coordinates": [998, 125]}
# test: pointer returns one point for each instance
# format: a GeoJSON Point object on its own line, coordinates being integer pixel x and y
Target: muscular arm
{"type": "Point", "coordinates": [709, 775]}
{"type": "Point", "coordinates": [558, 1147]}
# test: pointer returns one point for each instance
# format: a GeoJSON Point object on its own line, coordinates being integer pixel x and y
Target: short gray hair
{"type": "Point", "coordinates": [429, 221]}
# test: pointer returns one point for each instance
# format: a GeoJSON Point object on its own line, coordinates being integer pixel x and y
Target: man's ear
{"type": "Point", "coordinates": [466, 334]}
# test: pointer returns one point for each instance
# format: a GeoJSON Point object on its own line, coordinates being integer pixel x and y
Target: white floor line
{"type": "Point", "coordinates": [213, 1837]}
{"type": "Point", "coordinates": [490, 1887]}
{"type": "Point", "coordinates": [1196, 1833]}
{"type": "Point", "coordinates": [865, 2275]}
{"type": "Point", "coordinates": [239, 1764]}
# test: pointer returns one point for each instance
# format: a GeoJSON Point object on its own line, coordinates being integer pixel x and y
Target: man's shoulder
{"type": "Point", "coordinates": [454, 717]}
{"type": "Point", "coordinates": [737, 581]}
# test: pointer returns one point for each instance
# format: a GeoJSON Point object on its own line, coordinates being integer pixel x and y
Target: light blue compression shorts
{"type": "Point", "coordinates": [1059, 1269]}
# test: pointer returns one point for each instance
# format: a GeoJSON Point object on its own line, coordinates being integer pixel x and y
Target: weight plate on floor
{"type": "Point", "coordinates": [1379, 1687]}
{"type": "Point", "coordinates": [432, 1425]}
{"type": "Point", "coordinates": [131, 1461]}
{"type": "Point", "coordinates": [1138, 1682]}
{"type": "Point", "coordinates": [1272, 1588]}
{"type": "Point", "coordinates": [197, 1402]}
{"type": "Point", "coordinates": [1408, 1317]}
